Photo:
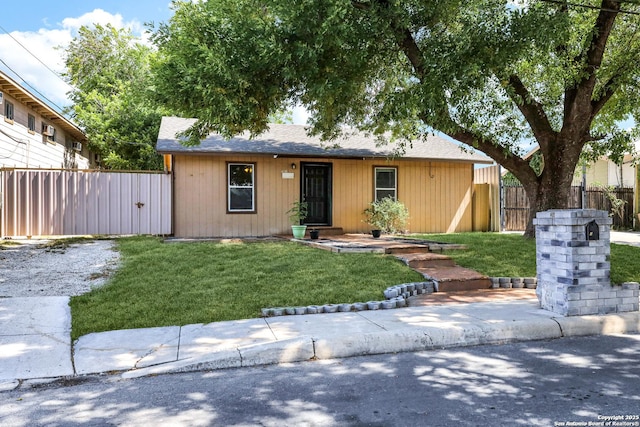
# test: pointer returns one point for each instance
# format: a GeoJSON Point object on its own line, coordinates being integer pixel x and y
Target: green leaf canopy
{"type": "Point", "coordinates": [500, 76]}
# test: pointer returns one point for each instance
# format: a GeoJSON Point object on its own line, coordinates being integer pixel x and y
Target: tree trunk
{"type": "Point", "coordinates": [544, 197]}
{"type": "Point", "coordinates": [552, 189]}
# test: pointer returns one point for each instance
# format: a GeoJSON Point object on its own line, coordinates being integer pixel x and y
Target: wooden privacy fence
{"type": "Point", "coordinates": [59, 203]}
{"type": "Point", "coordinates": [516, 205]}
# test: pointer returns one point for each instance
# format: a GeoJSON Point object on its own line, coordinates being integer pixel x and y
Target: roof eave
{"type": "Point", "coordinates": [315, 156]}
{"type": "Point", "coordinates": [11, 87]}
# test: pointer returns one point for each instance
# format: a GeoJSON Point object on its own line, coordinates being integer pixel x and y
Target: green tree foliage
{"type": "Point", "coordinates": [494, 75]}
{"type": "Point", "coordinates": [110, 71]}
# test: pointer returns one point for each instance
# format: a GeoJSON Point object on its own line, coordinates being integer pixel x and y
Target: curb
{"type": "Point", "coordinates": [270, 353]}
{"type": "Point", "coordinates": [400, 340]}
{"type": "Point", "coordinates": [619, 323]}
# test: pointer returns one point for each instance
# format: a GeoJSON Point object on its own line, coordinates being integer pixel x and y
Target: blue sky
{"type": "Point", "coordinates": [42, 26]}
{"type": "Point", "coordinates": [30, 15]}
{"type": "Point", "coordinates": [32, 31]}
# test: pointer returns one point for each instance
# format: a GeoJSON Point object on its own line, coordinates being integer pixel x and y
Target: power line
{"type": "Point", "coordinates": [33, 88]}
{"type": "Point", "coordinates": [55, 73]}
{"type": "Point", "coordinates": [26, 83]}
{"type": "Point", "coordinates": [588, 6]}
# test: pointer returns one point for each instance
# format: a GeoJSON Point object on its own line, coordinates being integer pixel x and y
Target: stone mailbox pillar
{"type": "Point", "coordinates": [572, 254]}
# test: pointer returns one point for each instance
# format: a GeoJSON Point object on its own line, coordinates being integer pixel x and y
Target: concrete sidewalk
{"type": "Point", "coordinates": [625, 237]}
{"type": "Point", "coordinates": [41, 348]}
{"type": "Point", "coordinates": [35, 340]}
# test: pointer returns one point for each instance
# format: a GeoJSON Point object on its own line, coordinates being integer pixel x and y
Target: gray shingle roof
{"type": "Point", "coordinates": [292, 140]}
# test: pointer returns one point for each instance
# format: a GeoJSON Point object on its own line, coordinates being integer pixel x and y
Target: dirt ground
{"type": "Point", "coordinates": [41, 268]}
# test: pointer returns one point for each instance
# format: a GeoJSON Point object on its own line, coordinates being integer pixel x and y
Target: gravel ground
{"type": "Point", "coordinates": [30, 268]}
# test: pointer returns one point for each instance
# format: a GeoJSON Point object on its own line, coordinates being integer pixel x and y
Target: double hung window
{"type": "Point", "coordinates": [241, 187]}
{"type": "Point", "coordinates": [8, 111]}
{"type": "Point", "coordinates": [386, 183]}
{"type": "Point", "coordinates": [31, 123]}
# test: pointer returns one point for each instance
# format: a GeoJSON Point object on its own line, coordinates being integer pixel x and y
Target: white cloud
{"type": "Point", "coordinates": [98, 16]}
{"type": "Point", "coordinates": [47, 45]}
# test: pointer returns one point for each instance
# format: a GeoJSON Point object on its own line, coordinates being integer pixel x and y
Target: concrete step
{"type": "Point", "coordinates": [426, 260]}
{"type": "Point", "coordinates": [326, 231]}
{"type": "Point", "coordinates": [403, 248]}
{"type": "Point", "coordinates": [451, 279]}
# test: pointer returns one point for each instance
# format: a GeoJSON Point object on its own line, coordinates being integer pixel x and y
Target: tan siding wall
{"type": "Point", "coordinates": [438, 197]}
{"type": "Point", "coordinates": [491, 175]}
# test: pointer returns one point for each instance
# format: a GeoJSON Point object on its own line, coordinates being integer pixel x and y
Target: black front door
{"type": "Point", "coordinates": [316, 191]}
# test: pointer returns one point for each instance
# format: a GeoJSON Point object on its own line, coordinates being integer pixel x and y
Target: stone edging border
{"type": "Point", "coordinates": [395, 297]}
{"type": "Point", "coordinates": [514, 282]}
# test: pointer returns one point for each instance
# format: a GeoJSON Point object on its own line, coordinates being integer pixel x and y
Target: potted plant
{"type": "Point", "coordinates": [386, 216]}
{"type": "Point", "coordinates": [314, 233]}
{"type": "Point", "coordinates": [297, 214]}
{"type": "Point", "coordinates": [374, 218]}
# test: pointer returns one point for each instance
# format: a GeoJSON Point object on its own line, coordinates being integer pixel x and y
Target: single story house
{"type": "Point", "coordinates": [243, 187]}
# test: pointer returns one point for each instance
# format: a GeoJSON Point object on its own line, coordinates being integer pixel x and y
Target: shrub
{"type": "Point", "coordinates": [387, 215]}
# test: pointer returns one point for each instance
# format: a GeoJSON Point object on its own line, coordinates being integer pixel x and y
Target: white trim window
{"type": "Point", "coordinates": [31, 123]}
{"type": "Point", "coordinates": [386, 183]}
{"type": "Point", "coordinates": [241, 187]}
{"type": "Point", "coordinates": [8, 111]}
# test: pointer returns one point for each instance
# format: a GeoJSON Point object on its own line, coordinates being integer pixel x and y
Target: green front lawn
{"type": "Point", "coordinates": [163, 284]}
{"type": "Point", "coordinates": [511, 255]}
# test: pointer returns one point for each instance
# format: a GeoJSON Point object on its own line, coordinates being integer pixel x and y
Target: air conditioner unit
{"type": "Point", "coordinates": [49, 130]}
{"type": "Point", "coordinates": [77, 146]}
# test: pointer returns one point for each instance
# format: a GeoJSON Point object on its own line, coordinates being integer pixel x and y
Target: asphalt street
{"type": "Point", "coordinates": [567, 381]}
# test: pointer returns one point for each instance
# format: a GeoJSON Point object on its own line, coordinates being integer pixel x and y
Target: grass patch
{"type": "Point", "coordinates": [624, 263]}
{"type": "Point", "coordinates": [6, 244]}
{"type": "Point", "coordinates": [511, 255]}
{"type": "Point", "coordinates": [493, 254]}
{"type": "Point", "coordinates": [164, 284]}
{"type": "Point", "coordinates": [65, 242]}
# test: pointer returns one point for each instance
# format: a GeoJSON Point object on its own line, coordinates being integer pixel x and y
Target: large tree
{"type": "Point", "coordinates": [495, 75]}
{"type": "Point", "coordinates": [112, 100]}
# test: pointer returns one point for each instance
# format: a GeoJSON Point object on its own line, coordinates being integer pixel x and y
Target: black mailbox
{"type": "Point", "coordinates": [592, 231]}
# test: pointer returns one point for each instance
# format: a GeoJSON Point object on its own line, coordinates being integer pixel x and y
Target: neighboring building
{"type": "Point", "coordinates": [243, 187]}
{"type": "Point", "coordinates": [606, 172]}
{"type": "Point", "coordinates": [34, 135]}
{"type": "Point", "coordinates": [603, 171]}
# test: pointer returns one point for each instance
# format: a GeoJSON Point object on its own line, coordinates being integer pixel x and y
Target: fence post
{"type": "Point", "coordinates": [583, 204]}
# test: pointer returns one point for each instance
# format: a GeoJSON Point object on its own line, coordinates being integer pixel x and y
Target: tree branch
{"type": "Point", "coordinates": [581, 93]}
{"type": "Point", "coordinates": [405, 40]}
{"type": "Point", "coordinates": [505, 157]}
{"type": "Point", "coordinates": [608, 91]}
{"type": "Point", "coordinates": [532, 110]}
{"type": "Point", "coordinates": [360, 5]}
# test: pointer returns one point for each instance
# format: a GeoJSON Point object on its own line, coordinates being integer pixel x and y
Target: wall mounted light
{"type": "Point", "coordinates": [293, 165]}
